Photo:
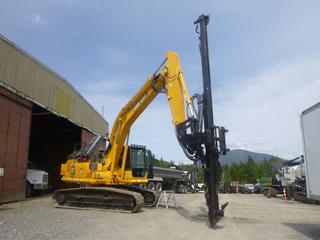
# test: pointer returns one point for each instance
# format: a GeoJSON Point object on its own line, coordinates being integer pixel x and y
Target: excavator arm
{"type": "Point", "coordinates": [167, 79]}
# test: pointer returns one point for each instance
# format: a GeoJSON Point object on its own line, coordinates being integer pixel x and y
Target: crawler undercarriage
{"type": "Point", "coordinates": [123, 198]}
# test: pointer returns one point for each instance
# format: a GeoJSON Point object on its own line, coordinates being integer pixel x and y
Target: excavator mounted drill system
{"type": "Point", "coordinates": [113, 181]}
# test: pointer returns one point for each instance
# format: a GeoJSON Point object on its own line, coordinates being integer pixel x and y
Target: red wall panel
{"type": "Point", "coordinates": [15, 122]}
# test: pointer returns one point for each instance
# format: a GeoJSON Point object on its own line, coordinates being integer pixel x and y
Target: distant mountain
{"type": "Point", "coordinates": [239, 155]}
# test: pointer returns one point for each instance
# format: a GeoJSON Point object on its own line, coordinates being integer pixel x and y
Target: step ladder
{"type": "Point", "coordinates": [167, 199]}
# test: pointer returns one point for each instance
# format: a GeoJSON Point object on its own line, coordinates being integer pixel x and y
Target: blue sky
{"type": "Point", "coordinates": [265, 61]}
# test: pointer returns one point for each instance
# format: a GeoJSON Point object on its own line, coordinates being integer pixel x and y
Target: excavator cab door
{"type": "Point", "coordinates": [149, 158]}
{"type": "Point", "coordinates": [138, 161]}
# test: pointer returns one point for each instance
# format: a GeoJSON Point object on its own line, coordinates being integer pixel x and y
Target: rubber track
{"type": "Point", "coordinates": [95, 191]}
{"type": "Point", "coordinates": [144, 192]}
{"type": "Point", "coordinates": [156, 196]}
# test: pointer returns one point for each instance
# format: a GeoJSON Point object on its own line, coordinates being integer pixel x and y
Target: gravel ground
{"type": "Point", "coordinates": [246, 217]}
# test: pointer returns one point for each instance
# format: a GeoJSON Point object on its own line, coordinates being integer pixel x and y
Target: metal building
{"type": "Point", "coordinates": [42, 118]}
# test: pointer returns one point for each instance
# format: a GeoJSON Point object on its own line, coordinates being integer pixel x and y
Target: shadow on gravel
{"type": "Point", "coordinates": [39, 196]}
{"type": "Point", "coordinates": [200, 216]}
{"type": "Point", "coordinates": [310, 230]}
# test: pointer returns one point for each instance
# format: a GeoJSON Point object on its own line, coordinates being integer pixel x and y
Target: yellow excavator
{"type": "Point", "coordinates": [124, 166]}
{"type": "Point", "coordinates": [114, 181]}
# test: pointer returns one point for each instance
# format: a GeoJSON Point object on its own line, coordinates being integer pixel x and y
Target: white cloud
{"type": "Point", "coordinates": [262, 111]}
{"type": "Point", "coordinates": [37, 19]}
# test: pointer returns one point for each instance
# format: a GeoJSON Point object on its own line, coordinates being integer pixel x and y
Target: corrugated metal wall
{"type": "Point", "coordinates": [15, 120]}
{"type": "Point", "coordinates": [26, 75]}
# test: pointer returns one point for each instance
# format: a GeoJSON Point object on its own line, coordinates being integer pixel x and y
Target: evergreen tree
{"type": "Point", "coordinates": [250, 171]}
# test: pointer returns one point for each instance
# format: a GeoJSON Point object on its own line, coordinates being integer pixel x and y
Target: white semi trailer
{"type": "Point", "coordinates": [310, 128]}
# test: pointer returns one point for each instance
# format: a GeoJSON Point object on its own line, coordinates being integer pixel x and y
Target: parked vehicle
{"type": "Point", "coordinates": [37, 181]}
{"type": "Point", "coordinates": [300, 176]}
{"type": "Point", "coordinates": [169, 179]}
{"type": "Point", "coordinates": [235, 187]}
{"type": "Point", "coordinates": [310, 129]}
{"type": "Point", "coordinates": [250, 187]}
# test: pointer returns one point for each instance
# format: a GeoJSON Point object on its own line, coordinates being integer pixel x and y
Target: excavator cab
{"type": "Point", "coordinates": [138, 160]}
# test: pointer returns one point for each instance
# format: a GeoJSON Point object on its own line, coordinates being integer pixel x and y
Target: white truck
{"type": "Point", "coordinates": [310, 128]}
{"type": "Point", "coordinates": [37, 181]}
{"type": "Point", "coordinates": [292, 170]}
